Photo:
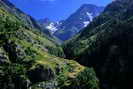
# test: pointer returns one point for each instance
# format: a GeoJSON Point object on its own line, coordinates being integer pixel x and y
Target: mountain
{"type": "Point", "coordinates": [77, 21]}
{"type": "Point", "coordinates": [26, 19]}
{"type": "Point", "coordinates": [28, 22]}
{"type": "Point", "coordinates": [31, 60]}
{"type": "Point", "coordinates": [51, 26]}
{"type": "Point", "coordinates": [106, 45]}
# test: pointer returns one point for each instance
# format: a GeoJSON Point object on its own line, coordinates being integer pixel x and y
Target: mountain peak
{"type": "Point", "coordinates": [88, 5]}
{"type": "Point", "coordinates": [77, 21]}
{"type": "Point", "coordinates": [46, 19]}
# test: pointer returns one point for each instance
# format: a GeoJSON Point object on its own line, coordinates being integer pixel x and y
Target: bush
{"type": "Point", "coordinates": [85, 80]}
{"type": "Point", "coordinates": [8, 25]}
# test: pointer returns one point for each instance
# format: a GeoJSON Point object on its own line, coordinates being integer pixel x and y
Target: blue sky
{"type": "Point", "coordinates": [54, 9]}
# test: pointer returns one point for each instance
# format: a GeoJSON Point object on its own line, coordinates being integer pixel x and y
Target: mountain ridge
{"type": "Point", "coordinates": [77, 21]}
{"type": "Point", "coordinates": [65, 29]}
{"type": "Point", "coordinates": [106, 45]}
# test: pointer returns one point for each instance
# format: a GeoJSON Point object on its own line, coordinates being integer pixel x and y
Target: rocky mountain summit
{"type": "Point", "coordinates": [77, 21]}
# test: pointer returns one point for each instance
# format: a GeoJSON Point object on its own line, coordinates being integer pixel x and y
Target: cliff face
{"type": "Point", "coordinates": [77, 21]}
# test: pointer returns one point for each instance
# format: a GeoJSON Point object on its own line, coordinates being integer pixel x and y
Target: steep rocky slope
{"type": "Point", "coordinates": [52, 26]}
{"type": "Point", "coordinates": [77, 21]}
{"type": "Point", "coordinates": [28, 22]}
{"type": "Point", "coordinates": [26, 19]}
{"type": "Point", "coordinates": [28, 61]}
{"type": "Point", "coordinates": [106, 44]}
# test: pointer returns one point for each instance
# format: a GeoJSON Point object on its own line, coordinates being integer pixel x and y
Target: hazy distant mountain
{"type": "Point", "coordinates": [77, 21]}
{"type": "Point", "coordinates": [51, 26]}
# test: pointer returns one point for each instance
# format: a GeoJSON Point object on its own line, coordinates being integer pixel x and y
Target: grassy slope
{"type": "Point", "coordinates": [25, 49]}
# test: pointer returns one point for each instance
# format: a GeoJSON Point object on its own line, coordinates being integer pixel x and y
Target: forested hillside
{"type": "Point", "coordinates": [106, 44]}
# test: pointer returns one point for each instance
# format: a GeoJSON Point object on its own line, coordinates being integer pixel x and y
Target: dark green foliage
{"type": "Point", "coordinates": [62, 79]}
{"type": "Point", "coordinates": [12, 77]}
{"type": "Point", "coordinates": [84, 80]}
{"type": "Point", "coordinates": [8, 25]}
{"type": "Point", "coordinates": [109, 53]}
{"type": "Point", "coordinates": [56, 51]}
{"type": "Point", "coordinates": [106, 44]}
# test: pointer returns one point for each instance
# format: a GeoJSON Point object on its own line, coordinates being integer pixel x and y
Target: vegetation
{"type": "Point", "coordinates": [85, 80]}
{"type": "Point", "coordinates": [106, 45]}
{"type": "Point", "coordinates": [31, 60]}
{"type": "Point", "coordinates": [28, 59]}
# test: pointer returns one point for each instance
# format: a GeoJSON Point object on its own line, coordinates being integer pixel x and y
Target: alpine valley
{"type": "Point", "coordinates": [96, 52]}
{"type": "Point", "coordinates": [66, 29]}
{"type": "Point", "coordinates": [31, 59]}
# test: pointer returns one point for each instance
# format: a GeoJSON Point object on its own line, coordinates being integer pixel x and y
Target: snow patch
{"type": "Point", "coordinates": [90, 19]}
{"type": "Point", "coordinates": [89, 15]}
{"type": "Point", "coordinates": [86, 23]}
{"type": "Point", "coordinates": [51, 27]}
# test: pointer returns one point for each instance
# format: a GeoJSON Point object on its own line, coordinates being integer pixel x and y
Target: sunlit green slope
{"type": "Point", "coordinates": [28, 60]}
